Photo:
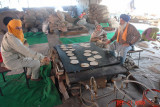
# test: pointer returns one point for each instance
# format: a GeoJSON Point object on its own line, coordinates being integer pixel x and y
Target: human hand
{"type": "Point", "coordinates": [108, 42]}
{"type": "Point", "coordinates": [45, 61]}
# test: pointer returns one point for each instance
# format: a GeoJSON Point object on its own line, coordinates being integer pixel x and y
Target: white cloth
{"type": "Point", "coordinates": [97, 33]}
{"type": "Point", "coordinates": [16, 55]}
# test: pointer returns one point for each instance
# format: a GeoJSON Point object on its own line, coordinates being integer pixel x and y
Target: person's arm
{"type": "Point", "coordinates": [17, 45]}
{"type": "Point", "coordinates": [94, 39]}
{"type": "Point", "coordinates": [113, 38]}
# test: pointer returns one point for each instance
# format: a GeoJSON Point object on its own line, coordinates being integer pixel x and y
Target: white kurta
{"type": "Point", "coordinates": [16, 55]}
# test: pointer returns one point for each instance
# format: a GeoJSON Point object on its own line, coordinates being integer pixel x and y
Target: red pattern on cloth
{"type": "Point", "coordinates": [1, 60]}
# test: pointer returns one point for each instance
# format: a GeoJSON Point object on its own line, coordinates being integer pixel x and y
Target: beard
{"type": "Point", "coordinates": [122, 27]}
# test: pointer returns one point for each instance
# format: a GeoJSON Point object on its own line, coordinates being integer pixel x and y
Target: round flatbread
{"type": "Point", "coordinates": [69, 47]}
{"type": "Point", "coordinates": [87, 46]}
{"type": "Point", "coordinates": [68, 51]}
{"type": "Point", "coordinates": [84, 65]}
{"type": "Point", "coordinates": [87, 51]}
{"type": "Point", "coordinates": [63, 45]}
{"type": "Point", "coordinates": [91, 59]}
{"type": "Point", "coordinates": [82, 44]}
{"type": "Point", "coordinates": [73, 57]}
{"type": "Point", "coordinates": [65, 49]}
{"type": "Point", "coordinates": [87, 54]}
{"type": "Point", "coordinates": [72, 49]}
{"type": "Point", "coordinates": [87, 43]}
{"type": "Point", "coordinates": [94, 52]}
{"type": "Point", "coordinates": [74, 62]}
{"type": "Point", "coordinates": [93, 63]}
{"type": "Point", "coordinates": [97, 56]}
{"type": "Point", "coordinates": [70, 54]}
{"type": "Point", "coordinates": [70, 44]}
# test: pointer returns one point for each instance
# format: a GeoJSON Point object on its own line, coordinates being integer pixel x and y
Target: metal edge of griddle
{"type": "Point", "coordinates": [76, 79]}
{"type": "Point", "coordinates": [58, 56]}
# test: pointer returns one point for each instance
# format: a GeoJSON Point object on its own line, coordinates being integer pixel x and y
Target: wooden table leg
{"type": "Point", "coordinates": [63, 90]}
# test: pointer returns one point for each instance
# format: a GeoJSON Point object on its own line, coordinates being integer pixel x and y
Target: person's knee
{"type": "Point", "coordinates": [36, 63]}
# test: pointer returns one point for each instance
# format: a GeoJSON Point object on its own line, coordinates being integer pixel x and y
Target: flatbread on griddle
{"type": "Point", "coordinates": [91, 59]}
{"type": "Point", "coordinates": [70, 54]}
{"type": "Point", "coordinates": [97, 56]}
{"type": "Point", "coordinates": [94, 63]}
{"type": "Point", "coordinates": [68, 51]}
{"type": "Point", "coordinates": [87, 51]}
{"type": "Point", "coordinates": [84, 65]}
{"type": "Point", "coordinates": [69, 47]}
{"type": "Point", "coordinates": [73, 57]}
{"type": "Point", "coordinates": [87, 54]}
{"type": "Point", "coordinates": [72, 49]}
{"type": "Point", "coordinates": [94, 52]}
{"type": "Point", "coordinates": [64, 49]}
{"type": "Point", "coordinates": [74, 61]}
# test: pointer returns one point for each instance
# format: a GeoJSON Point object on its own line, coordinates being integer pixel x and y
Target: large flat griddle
{"type": "Point", "coordinates": [106, 60]}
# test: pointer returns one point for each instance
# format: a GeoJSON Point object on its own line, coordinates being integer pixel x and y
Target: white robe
{"type": "Point", "coordinates": [16, 55]}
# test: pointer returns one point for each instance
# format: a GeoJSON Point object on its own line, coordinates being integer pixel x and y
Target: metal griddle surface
{"type": "Point", "coordinates": [106, 60]}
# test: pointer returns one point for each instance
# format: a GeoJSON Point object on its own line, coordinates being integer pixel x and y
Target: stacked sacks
{"type": "Point", "coordinates": [59, 21]}
{"type": "Point", "coordinates": [34, 18]}
{"type": "Point", "coordinates": [99, 13]}
{"type": "Point", "coordinates": [31, 18]}
{"type": "Point", "coordinates": [13, 14]}
{"type": "Point", "coordinates": [68, 18]}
